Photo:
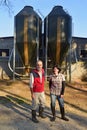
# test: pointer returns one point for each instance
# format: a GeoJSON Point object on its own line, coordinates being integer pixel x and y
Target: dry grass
{"type": "Point", "coordinates": [16, 97]}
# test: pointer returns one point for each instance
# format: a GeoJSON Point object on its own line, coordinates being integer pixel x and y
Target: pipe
{"type": "Point", "coordinates": [46, 47]}
{"type": "Point", "coordinates": [12, 70]}
{"type": "Point", "coordinates": [37, 39]}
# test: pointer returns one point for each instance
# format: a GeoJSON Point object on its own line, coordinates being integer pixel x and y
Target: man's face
{"type": "Point", "coordinates": [39, 65]}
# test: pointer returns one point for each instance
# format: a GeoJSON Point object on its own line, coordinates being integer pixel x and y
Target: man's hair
{"type": "Point", "coordinates": [39, 61]}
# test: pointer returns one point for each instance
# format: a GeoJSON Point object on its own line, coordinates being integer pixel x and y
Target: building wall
{"type": "Point", "coordinates": [79, 45]}
{"type": "Point", "coordinates": [6, 47]}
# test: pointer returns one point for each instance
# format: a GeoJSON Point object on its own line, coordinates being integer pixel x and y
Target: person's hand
{"type": "Point", "coordinates": [61, 96]}
{"type": "Point", "coordinates": [32, 96]}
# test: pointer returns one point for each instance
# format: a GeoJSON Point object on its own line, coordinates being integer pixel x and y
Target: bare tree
{"type": "Point", "coordinates": [7, 4]}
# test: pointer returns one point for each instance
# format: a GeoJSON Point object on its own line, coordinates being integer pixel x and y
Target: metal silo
{"type": "Point", "coordinates": [28, 35]}
{"type": "Point", "coordinates": [58, 34]}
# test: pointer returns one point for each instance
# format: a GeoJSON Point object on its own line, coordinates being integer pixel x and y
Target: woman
{"type": "Point", "coordinates": [56, 87]}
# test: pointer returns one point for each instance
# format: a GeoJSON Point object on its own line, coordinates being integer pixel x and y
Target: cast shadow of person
{"type": "Point", "coordinates": [19, 106]}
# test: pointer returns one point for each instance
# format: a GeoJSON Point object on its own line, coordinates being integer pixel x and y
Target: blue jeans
{"type": "Point", "coordinates": [59, 99]}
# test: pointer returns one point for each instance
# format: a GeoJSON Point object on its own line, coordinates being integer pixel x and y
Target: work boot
{"type": "Point", "coordinates": [53, 118]}
{"type": "Point", "coordinates": [53, 113]}
{"type": "Point", "coordinates": [41, 112]}
{"type": "Point", "coordinates": [34, 119]}
{"type": "Point", "coordinates": [63, 114]}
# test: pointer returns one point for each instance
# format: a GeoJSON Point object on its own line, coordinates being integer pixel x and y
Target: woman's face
{"type": "Point", "coordinates": [55, 70]}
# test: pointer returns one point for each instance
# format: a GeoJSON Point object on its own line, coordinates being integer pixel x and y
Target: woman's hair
{"type": "Point", "coordinates": [58, 67]}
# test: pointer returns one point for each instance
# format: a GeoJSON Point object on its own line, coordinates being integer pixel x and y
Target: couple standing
{"type": "Point", "coordinates": [56, 87]}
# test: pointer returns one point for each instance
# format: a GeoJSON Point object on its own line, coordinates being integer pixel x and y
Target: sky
{"type": "Point", "coordinates": [77, 9]}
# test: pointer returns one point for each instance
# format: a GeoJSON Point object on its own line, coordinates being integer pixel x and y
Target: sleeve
{"type": "Point", "coordinates": [63, 85]}
{"type": "Point", "coordinates": [63, 78]}
{"type": "Point", "coordinates": [31, 80]}
{"type": "Point", "coordinates": [50, 82]}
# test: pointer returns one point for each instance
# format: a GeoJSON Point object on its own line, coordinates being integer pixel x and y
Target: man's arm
{"type": "Point", "coordinates": [31, 84]}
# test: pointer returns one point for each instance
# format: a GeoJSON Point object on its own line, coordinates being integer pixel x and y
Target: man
{"type": "Point", "coordinates": [37, 79]}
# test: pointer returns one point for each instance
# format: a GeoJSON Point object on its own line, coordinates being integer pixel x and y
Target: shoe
{"type": "Point", "coordinates": [64, 118]}
{"type": "Point", "coordinates": [53, 113]}
{"type": "Point", "coordinates": [41, 112]}
{"type": "Point", "coordinates": [62, 110]}
{"type": "Point", "coordinates": [34, 119]}
{"type": "Point", "coordinates": [53, 118]}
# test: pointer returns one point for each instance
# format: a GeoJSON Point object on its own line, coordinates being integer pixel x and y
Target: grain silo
{"type": "Point", "coordinates": [28, 31]}
{"type": "Point", "coordinates": [58, 34]}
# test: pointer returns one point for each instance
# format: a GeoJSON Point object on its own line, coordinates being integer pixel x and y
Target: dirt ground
{"type": "Point", "coordinates": [15, 107]}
